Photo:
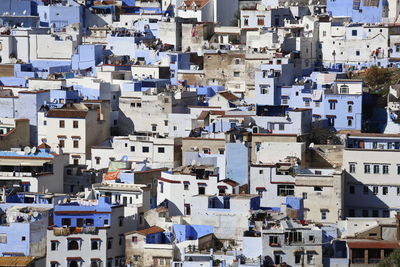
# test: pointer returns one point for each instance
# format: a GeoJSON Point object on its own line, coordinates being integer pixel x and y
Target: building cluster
{"type": "Point", "coordinates": [188, 133]}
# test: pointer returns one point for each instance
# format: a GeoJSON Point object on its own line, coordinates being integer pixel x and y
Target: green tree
{"type": "Point", "coordinates": [393, 260]}
{"type": "Point", "coordinates": [377, 78]}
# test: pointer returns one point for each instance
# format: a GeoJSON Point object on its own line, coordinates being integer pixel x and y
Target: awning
{"type": "Point", "coordinates": [332, 100]}
{"type": "Point", "coordinates": [222, 187]}
{"type": "Point", "coordinates": [331, 116]}
{"type": "Point", "coordinates": [260, 188]}
{"type": "Point", "coordinates": [349, 117]}
{"type": "Point", "coordinates": [350, 102]}
{"type": "Point", "coordinates": [202, 184]}
{"type": "Point", "coordinates": [186, 182]}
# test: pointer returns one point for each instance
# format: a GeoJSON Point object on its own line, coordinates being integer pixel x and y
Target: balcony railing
{"type": "Point", "coordinates": [66, 231]}
{"type": "Point", "coordinates": [358, 260]}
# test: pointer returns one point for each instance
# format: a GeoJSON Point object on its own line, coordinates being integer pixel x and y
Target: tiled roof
{"type": "Point", "coordinates": [373, 244]}
{"type": "Point", "coordinates": [151, 230]}
{"type": "Point", "coordinates": [228, 96]}
{"type": "Point", "coordinates": [189, 4]}
{"type": "Point", "coordinates": [66, 113]}
{"type": "Point", "coordinates": [16, 261]}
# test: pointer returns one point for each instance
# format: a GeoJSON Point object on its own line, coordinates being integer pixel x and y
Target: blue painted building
{"type": "Point", "coordinates": [237, 162]}
{"type": "Point", "coordinates": [358, 10]}
{"type": "Point", "coordinates": [59, 16]}
{"type": "Point", "coordinates": [87, 58]}
{"type": "Point", "coordinates": [23, 230]}
{"type": "Point", "coordinates": [75, 215]}
{"type": "Point", "coordinates": [191, 232]}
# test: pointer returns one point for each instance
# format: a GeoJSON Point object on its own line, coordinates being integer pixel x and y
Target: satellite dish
{"type": "Point", "coordinates": [24, 12]}
{"type": "Point", "coordinates": [193, 162]}
{"type": "Point", "coordinates": [46, 190]}
{"type": "Point", "coordinates": [35, 214]}
{"type": "Point", "coordinates": [65, 200]}
{"type": "Point", "coordinates": [124, 158]}
{"type": "Point", "coordinates": [33, 151]}
{"type": "Point", "coordinates": [312, 145]}
{"type": "Point", "coordinates": [27, 150]}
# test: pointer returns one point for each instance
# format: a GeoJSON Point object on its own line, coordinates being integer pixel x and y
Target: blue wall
{"type": "Point", "coordinates": [237, 162]}
{"type": "Point", "coordinates": [364, 14]}
{"type": "Point", "coordinates": [191, 232]}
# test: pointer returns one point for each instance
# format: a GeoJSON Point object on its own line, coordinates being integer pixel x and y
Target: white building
{"type": "Point", "coordinates": [155, 151]}
{"type": "Point", "coordinates": [176, 188]}
{"type": "Point", "coordinates": [71, 128]}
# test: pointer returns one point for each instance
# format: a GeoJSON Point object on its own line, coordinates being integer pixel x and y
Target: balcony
{"type": "Point", "coordinates": [66, 231]}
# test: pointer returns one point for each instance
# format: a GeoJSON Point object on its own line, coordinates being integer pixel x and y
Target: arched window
{"type": "Point", "coordinates": [73, 264]}
{"type": "Point", "coordinates": [344, 89]}
{"type": "Point", "coordinates": [94, 264]}
{"type": "Point", "coordinates": [73, 245]}
{"type": "Point", "coordinates": [350, 108]}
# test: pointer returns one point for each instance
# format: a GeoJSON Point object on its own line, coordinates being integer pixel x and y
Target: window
{"type": "Point", "coordinates": [357, 52]}
{"type": "Point", "coordinates": [350, 108]}
{"type": "Point", "coordinates": [76, 144]}
{"type": "Point", "coordinates": [145, 149]}
{"type": "Point", "coordinates": [375, 190]}
{"type": "Point", "coordinates": [237, 61]}
{"type": "Point", "coordinates": [318, 188]}
{"type": "Point", "coordinates": [365, 190]}
{"type": "Point", "coordinates": [3, 238]}
{"type": "Point", "coordinates": [221, 151]}
{"type": "Point", "coordinates": [349, 122]}
{"type": "Point", "coordinates": [310, 259]}
{"type": "Point", "coordinates": [331, 121]}
{"type": "Point", "coordinates": [385, 169]}
{"type": "Point", "coordinates": [367, 168]}
{"type": "Point", "coordinates": [154, 128]}
{"type": "Point", "coordinates": [161, 150]}
{"type": "Point", "coordinates": [62, 143]}
{"type": "Point", "coordinates": [285, 101]}
{"type": "Point", "coordinates": [307, 103]}
{"type": "Point", "coordinates": [351, 189]}
{"type": "Point", "coordinates": [75, 124]}
{"type": "Point", "coordinates": [132, 148]}
{"type": "Point", "coordinates": [352, 167]}
{"type": "Point", "coordinates": [73, 245]}
{"type": "Point", "coordinates": [281, 127]}
{"type": "Point", "coordinates": [44, 123]}
{"type": "Point", "coordinates": [264, 89]}
{"type": "Point", "coordinates": [95, 245]}
{"type": "Point", "coordinates": [109, 243]}
{"type": "Point", "coordinates": [260, 21]}
{"type": "Point", "coordinates": [384, 190]}
{"type": "Point", "coordinates": [285, 190]}
{"type": "Point", "coordinates": [186, 186]}
{"type": "Point", "coordinates": [376, 169]}
{"type": "Point", "coordinates": [344, 89]}
{"type": "Point", "coordinates": [273, 240]}
{"type": "Point", "coordinates": [134, 239]}
{"type": "Point", "coordinates": [62, 124]}
{"type": "Point", "coordinates": [246, 22]}
{"type": "Point", "coordinates": [97, 160]}
{"type": "Point", "coordinates": [317, 104]}
{"type": "Point", "coordinates": [332, 105]}
{"type": "Point", "coordinates": [324, 33]}
{"type": "Point", "coordinates": [236, 74]}
{"type": "Point", "coordinates": [54, 245]}
{"type": "Point", "coordinates": [161, 187]}
{"type": "Point", "coordinates": [105, 222]}
{"type": "Point", "coordinates": [202, 190]}
{"type": "Point", "coordinates": [304, 195]}
{"type": "Point", "coordinates": [324, 214]}
{"type": "Point", "coordinates": [364, 213]}
{"type": "Point", "coordinates": [354, 32]}
{"type": "Point", "coordinates": [66, 221]}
